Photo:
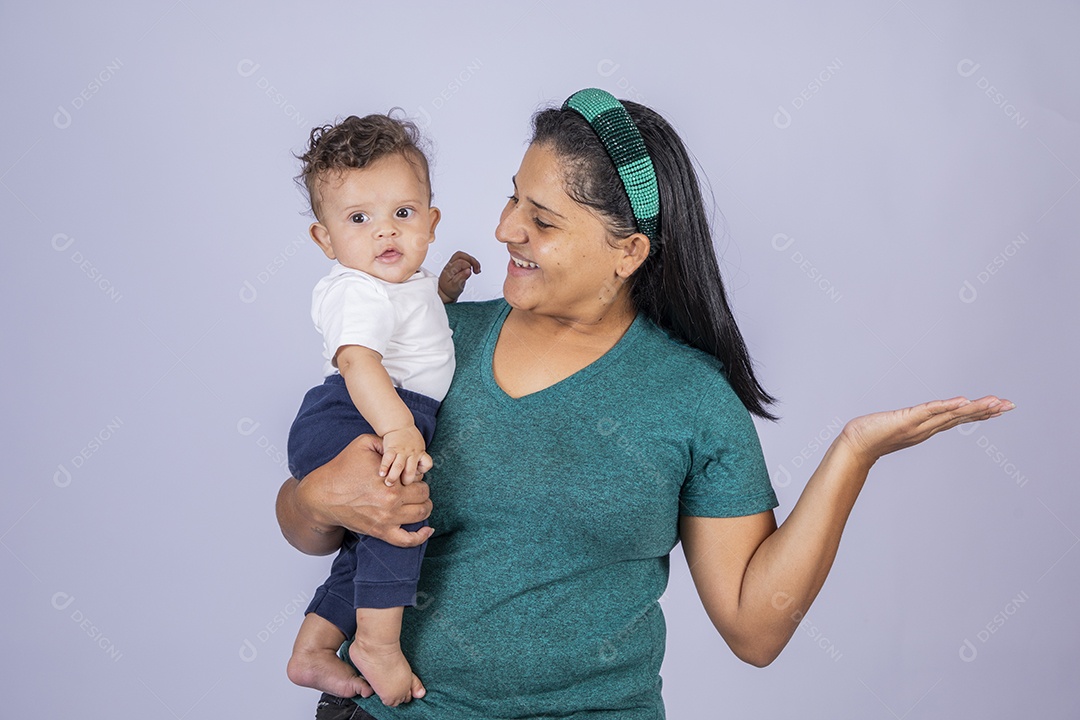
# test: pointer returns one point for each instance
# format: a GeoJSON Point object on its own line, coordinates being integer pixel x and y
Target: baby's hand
{"type": "Point", "coordinates": [404, 456]}
{"type": "Point", "coordinates": [455, 274]}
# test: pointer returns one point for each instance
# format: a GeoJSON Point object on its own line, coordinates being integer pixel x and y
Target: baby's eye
{"type": "Point", "coordinates": [358, 218]}
{"type": "Point", "coordinates": [404, 213]}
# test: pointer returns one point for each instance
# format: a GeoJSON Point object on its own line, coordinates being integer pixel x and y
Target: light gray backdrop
{"type": "Point", "coordinates": [896, 196]}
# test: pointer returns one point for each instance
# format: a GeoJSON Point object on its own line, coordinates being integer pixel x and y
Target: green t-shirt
{"type": "Point", "coordinates": [554, 514]}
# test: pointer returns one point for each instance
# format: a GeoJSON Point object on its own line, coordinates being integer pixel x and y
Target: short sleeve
{"type": "Point", "coordinates": [354, 310]}
{"type": "Point", "coordinates": [728, 476]}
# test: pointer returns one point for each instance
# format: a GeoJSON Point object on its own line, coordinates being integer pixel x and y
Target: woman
{"type": "Point", "coordinates": [599, 414]}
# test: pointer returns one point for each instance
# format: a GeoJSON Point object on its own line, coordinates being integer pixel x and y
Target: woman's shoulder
{"type": "Point", "coordinates": [693, 376]}
{"type": "Point", "coordinates": [465, 316]}
{"type": "Point", "coordinates": [672, 356]}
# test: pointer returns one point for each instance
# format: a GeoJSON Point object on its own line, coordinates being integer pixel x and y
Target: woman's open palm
{"type": "Point", "coordinates": [877, 434]}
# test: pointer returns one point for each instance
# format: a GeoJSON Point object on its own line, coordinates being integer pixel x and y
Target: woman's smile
{"type": "Point", "coordinates": [520, 267]}
{"type": "Point", "coordinates": [560, 257]}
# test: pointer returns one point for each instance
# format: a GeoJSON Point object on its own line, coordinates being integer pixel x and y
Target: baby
{"type": "Point", "coordinates": [389, 362]}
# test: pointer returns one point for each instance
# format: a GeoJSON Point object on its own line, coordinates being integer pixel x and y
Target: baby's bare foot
{"type": "Point", "coordinates": [387, 670]}
{"type": "Point", "coordinates": [323, 670]}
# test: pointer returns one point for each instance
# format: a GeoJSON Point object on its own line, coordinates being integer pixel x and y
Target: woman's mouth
{"type": "Point", "coordinates": [519, 268]}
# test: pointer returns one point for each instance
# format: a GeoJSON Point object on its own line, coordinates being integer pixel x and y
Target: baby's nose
{"type": "Point", "coordinates": [386, 228]}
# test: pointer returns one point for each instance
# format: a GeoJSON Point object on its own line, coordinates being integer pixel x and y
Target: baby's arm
{"type": "Point", "coordinates": [373, 393]}
{"type": "Point", "coordinates": [455, 274]}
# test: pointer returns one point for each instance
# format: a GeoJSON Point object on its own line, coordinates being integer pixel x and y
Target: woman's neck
{"type": "Point", "coordinates": [537, 350]}
{"type": "Point", "coordinates": [603, 326]}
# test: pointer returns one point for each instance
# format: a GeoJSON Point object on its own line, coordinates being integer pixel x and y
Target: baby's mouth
{"type": "Point", "coordinates": [389, 255]}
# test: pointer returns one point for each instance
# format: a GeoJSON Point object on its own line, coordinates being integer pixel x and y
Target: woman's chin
{"type": "Point", "coordinates": [514, 295]}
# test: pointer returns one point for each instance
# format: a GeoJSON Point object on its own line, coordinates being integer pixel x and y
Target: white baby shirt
{"type": "Point", "coordinates": [404, 322]}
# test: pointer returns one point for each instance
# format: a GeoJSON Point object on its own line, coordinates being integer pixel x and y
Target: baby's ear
{"type": "Point", "coordinates": [436, 216]}
{"type": "Point", "coordinates": [321, 236]}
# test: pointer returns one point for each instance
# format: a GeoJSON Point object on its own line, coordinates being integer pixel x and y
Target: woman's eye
{"type": "Point", "coordinates": [358, 217]}
{"type": "Point", "coordinates": [512, 198]}
{"type": "Point", "coordinates": [541, 224]}
{"type": "Point", "coordinates": [404, 213]}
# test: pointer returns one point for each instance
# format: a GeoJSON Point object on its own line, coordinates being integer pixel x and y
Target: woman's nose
{"type": "Point", "coordinates": [509, 230]}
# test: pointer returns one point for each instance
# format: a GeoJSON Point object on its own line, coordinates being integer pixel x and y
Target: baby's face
{"type": "Point", "coordinates": [377, 219]}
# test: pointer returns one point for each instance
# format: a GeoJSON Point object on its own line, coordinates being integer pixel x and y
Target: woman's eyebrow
{"type": "Point", "coordinates": [542, 207]}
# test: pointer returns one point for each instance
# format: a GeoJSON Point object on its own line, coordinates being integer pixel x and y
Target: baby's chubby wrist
{"type": "Point", "coordinates": [407, 428]}
{"type": "Point", "coordinates": [407, 440]}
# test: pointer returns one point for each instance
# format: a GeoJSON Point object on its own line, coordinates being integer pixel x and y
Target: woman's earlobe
{"type": "Point", "coordinates": [635, 252]}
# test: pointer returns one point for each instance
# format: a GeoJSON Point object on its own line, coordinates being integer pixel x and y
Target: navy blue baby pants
{"type": "Point", "coordinates": [367, 572]}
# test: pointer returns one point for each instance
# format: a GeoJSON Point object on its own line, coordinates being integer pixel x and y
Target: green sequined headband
{"type": "Point", "coordinates": [624, 145]}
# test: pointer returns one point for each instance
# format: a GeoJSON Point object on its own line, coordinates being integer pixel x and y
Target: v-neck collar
{"type": "Point", "coordinates": [568, 384]}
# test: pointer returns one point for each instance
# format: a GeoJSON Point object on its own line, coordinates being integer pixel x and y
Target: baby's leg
{"type": "Point", "coordinates": [315, 662]}
{"type": "Point", "coordinates": [376, 652]}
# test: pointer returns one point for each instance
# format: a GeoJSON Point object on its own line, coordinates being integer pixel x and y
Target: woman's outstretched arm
{"type": "Point", "coordinates": [347, 493]}
{"type": "Point", "coordinates": [757, 581]}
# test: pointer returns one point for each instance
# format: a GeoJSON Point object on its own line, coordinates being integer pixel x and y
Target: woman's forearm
{"type": "Point", "coordinates": [348, 494]}
{"type": "Point", "coordinates": [300, 528]}
{"type": "Point", "coordinates": [789, 567]}
{"type": "Point", "coordinates": [757, 581]}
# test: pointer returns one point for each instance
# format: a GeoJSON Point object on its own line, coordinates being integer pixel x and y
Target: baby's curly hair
{"type": "Point", "coordinates": [356, 142]}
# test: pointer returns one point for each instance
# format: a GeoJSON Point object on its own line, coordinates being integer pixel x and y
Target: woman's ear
{"type": "Point", "coordinates": [635, 249]}
{"type": "Point", "coordinates": [321, 236]}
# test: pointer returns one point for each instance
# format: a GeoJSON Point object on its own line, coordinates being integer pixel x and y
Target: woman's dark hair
{"type": "Point", "coordinates": [678, 287]}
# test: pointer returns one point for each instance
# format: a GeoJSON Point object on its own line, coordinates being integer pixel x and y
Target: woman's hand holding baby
{"type": "Point", "coordinates": [347, 492]}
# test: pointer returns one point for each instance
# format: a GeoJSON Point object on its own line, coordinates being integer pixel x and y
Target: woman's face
{"type": "Point", "coordinates": [561, 262]}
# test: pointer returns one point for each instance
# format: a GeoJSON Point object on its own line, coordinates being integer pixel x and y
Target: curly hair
{"type": "Point", "coordinates": [357, 142]}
